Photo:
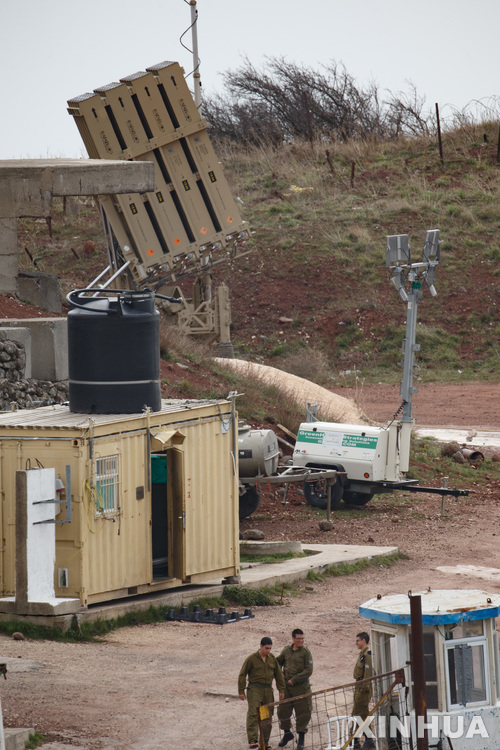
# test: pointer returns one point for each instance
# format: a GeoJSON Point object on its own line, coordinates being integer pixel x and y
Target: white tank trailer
{"type": "Point", "coordinates": [258, 456]}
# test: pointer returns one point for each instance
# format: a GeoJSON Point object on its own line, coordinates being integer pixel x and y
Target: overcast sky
{"type": "Point", "coordinates": [54, 50]}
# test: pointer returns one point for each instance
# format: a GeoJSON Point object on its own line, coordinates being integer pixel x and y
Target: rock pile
{"type": "Point", "coordinates": [20, 392]}
{"type": "Point", "coordinates": [12, 360]}
{"type": "Point", "coordinates": [462, 454]}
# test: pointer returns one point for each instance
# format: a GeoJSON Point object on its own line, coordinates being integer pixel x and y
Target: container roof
{"type": "Point", "coordinates": [61, 417]}
{"type": "Point", "coordinates": [438, 607]}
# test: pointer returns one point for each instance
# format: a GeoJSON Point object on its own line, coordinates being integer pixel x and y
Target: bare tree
{"type": "Point", "coordinates": [285, 101]}
{"type": "Point", "coordinates": [405, 113]}
{"type": "Point", "coordinates": [246, 122]}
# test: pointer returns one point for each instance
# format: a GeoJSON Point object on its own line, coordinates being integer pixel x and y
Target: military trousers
{"type": "Point", "coordinates": [302, 705]}
{"type": "Point", "coordinates": [258, 695]}
{"type": "Point", "coordinates": [362, 696]}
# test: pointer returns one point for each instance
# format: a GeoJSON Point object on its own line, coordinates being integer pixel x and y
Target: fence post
{"type": "Point", "coordinates": [439, 135]}
{"type": "Point", "coordinates": [417, 662]}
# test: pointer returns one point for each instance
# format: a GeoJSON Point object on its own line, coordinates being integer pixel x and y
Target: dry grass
{"type": "Point", "coordinates": [176, 344]}
{"type": "Point", "coordinates": [331, 406]}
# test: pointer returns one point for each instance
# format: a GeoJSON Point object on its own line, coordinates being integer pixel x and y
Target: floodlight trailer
{"type": "Point", "coordinates": [375, 460]}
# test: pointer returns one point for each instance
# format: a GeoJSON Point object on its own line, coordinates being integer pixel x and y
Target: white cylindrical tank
{"type": "Point", "coordinates": [258, 452]}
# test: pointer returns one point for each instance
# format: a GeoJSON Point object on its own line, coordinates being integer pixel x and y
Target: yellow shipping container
{"type": "Point", "coordinates": [154, 497]}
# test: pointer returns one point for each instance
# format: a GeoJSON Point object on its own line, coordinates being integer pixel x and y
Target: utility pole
{"type": "Point", "coordinates": [196, 59]}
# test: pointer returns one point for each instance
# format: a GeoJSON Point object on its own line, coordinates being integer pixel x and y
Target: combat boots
{"type": "Point", "coordinates": [286, 738]}
{"type": "Point", "coordinates": [300, 743]}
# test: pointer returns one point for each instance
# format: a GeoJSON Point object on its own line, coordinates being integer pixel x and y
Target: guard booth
{"type": "Point", "coordinates": [149, 501]}
{"type": "Point", "coordinates": [461, 662]}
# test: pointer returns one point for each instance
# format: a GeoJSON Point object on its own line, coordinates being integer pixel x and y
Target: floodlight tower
{"type": "Point", "coordinates": [407, 278]}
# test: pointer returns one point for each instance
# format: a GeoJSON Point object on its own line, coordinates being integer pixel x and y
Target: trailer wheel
{"type": "Point", "coordinates": [316, 494]}
{"type": "Point", "coordinates": [249, 501]}
{"type": "Point", "coordinates": [357, 498]}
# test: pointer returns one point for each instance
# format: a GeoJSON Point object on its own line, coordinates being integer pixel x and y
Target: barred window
{"type": "Point", "coordinates": [107, 482]}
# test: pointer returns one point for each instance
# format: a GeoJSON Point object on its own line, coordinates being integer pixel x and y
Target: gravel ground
{"type": "Point", "coordinates": [172, 683]}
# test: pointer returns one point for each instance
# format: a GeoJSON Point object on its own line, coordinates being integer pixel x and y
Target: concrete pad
{"type": "Point", "coordinates": [472, 571]}
{"type": "Point", "coordinates": [479, 438]}
{"type": "Point", "coordinates": [253, 575]}
{"type": "Point", "coordinates": [255, 547]}
{"type": "Point", "coordinates": [15, 739]}
{"type": "Point", "coordinates": [53, 608]}
{"type": "Point", "coordinates": [324, 556]}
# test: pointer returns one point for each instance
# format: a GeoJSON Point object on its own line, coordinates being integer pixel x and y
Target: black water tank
{"type": "Point", "coordinates": [113, 352]}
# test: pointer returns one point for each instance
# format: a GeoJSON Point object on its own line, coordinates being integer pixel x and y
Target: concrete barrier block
{"type": "Point", "coordinates": [20, 336]}
{"type": "Point", "coordinates": [40, 289]}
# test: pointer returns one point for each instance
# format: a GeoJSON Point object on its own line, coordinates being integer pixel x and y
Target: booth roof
{"type": "Point", "coordinates": [439, 607]}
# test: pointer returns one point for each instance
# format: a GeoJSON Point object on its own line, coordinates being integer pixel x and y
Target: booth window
{"type": "Point", "coordinates": [467, 671]}
{"type": "Point", "coordinates": [107, 482]}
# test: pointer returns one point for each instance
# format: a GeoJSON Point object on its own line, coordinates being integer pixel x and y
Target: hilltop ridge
{"type": "Point", "coordinates": [313, 296]}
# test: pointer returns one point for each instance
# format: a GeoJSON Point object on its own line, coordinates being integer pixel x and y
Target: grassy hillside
{"type": "Point", "coordinates": [320, 224]}
{"type": "Point", "coordinates": [313, 297]}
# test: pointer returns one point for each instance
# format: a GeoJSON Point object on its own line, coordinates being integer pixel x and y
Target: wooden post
{"type": "Point", "coordinates": [353, 167]}
{"type": "Point", "coordinates": [439, 135]}
{"type": "Point", "coordinates": [330, 164]}
{"type": "Point", "coordinates": [417, 666]}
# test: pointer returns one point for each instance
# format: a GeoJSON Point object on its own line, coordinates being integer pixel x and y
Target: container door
{"type": "Point", "coordinates": [177, 514]}
{"type": "Point", "coordinates": [159, 515]}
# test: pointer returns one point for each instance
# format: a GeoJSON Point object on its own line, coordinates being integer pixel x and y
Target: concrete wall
{"type": "Point", "coordinates": [27, 187]}
{"type": "Point", "coordinates": [8, 255]}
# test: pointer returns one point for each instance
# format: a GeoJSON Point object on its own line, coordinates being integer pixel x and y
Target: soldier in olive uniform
{"type": "Point", "coordinates": [363, 692]}
{"type": "Point", "coordinates": [297, 664]}
{"type": "Point", "coordinates": [260, 668]}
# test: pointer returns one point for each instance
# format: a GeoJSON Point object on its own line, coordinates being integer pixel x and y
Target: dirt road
{"type": "Point", "coordinates": [174, 684]}
{"type": "Point", "coordinates": [463, 405]}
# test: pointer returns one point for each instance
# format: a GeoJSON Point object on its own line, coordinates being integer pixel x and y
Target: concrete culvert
{"type": "Point", "coordinates": [472, 456]}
